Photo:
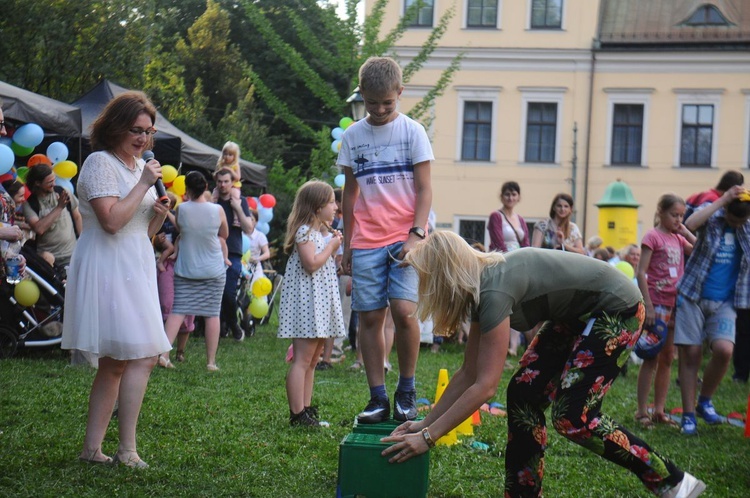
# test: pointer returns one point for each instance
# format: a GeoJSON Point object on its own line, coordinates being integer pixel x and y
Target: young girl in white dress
{"type": "Point", "coordinates": [310, 308]}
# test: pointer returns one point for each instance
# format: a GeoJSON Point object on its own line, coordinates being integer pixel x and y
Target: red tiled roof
{"type": "Point", "coordinates": [663, 22]}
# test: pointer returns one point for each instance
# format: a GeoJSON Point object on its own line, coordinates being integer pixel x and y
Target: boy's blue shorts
{"type": "Point", "coordinates": [706, 319]}
{"type": "Point", "coordinates": [377, 278]}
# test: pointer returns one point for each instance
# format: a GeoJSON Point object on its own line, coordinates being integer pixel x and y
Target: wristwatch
{"type": "Point", "coordinates": [418, 231]}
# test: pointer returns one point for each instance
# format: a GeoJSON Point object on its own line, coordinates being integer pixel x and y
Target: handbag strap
{"type": "Point", "coordinates": [511, 227]}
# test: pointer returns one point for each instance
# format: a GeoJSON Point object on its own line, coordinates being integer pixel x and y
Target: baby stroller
{"type": "Point", "coordinates": [34, 326]}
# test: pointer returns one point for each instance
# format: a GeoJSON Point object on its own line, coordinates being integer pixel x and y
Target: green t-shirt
{"type": "Point", "coordinates": [534, 285]}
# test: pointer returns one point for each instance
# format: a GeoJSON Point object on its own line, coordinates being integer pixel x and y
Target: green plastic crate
{"type": "Point", "coordinates": [383, 428]}
{"type": "Point", "coordinates": [364, 473]}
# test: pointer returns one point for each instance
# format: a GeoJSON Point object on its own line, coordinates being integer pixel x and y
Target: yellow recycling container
{"type": "Point", "coordinates": [618, 216]}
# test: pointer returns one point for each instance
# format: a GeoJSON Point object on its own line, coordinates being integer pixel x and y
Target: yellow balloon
{"type": "Point", "coordinates": [26, 293]}
{"type": "Point", "coordinates": [262, 287]}
{"type": "Point", "coordinates": [178, 185]}
{"type": "Point", "coordinates": [168, 174]}
{"type": "Point", "coordinates": [258, 307]}
{"type": "Point", "coordinates": [65, 169]}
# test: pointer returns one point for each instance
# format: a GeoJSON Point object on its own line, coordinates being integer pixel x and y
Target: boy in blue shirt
{"type": "Point", "coordinates": [715, 284]}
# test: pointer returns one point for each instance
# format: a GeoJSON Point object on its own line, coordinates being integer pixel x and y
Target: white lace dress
{"type": "Point", "coordinates": [310, 306]}
{"type": "Point", "coordinates": [111, 300]}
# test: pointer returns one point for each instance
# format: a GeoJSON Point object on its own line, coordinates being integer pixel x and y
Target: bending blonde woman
{"type": "Point", "coordinates": [592, 317]}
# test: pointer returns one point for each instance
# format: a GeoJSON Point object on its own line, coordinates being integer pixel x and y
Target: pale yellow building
{"type": "Point", "coordinates": [571, 95]}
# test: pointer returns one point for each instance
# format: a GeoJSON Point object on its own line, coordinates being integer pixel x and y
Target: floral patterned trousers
{"type": "Point", "coordinates": [571, 366]}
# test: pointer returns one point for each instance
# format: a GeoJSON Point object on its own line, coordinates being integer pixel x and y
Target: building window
{"type": "Point", "coordinates": [707, 15]}
{"type": "Point", "coordinates": [627, 134]}
{"type": "Point", "coordinates": [477, 131]}
{"type": "Point", "coordinates": [482, 14]}
{"type": "Point", "coordinates": [696, 143]}
{"type": "Point", "coordinates": [541, 132]}
{"type": "Point", "coordinates": [472, 230]}
{"type": "Point", "coordinates": [425, 12]}
{"type": "Point", "coordinates": [546, 14]}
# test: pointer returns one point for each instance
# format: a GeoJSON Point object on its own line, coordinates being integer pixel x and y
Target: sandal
{"type": "Point", "coordinates": [180, 356]}
{"type": "Point", "coordinates": [165, 363]}
{"type": "Point", "coordinates": [644, 421]}
{"type": "Point", "coordinates": [357, 365]}
{"type": "Point", "coordinates": [663, 418]}
{"type": "Point", "coordinates": [211, 367]}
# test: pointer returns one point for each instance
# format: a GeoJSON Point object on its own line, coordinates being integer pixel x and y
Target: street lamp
{"type": "Point", "coordinates": [358, 105]}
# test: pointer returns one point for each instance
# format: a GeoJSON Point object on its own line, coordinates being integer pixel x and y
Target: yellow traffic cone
{"type": "Point", "coordinates": [442, 383]}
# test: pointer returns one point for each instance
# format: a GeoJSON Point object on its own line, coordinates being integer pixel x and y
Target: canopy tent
{"type": "Point", "coordinates": [60, 121]}
{"type": "Point", "coordinates": [171, 145]}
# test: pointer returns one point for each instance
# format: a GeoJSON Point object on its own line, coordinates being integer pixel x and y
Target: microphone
{"type": "Point", "coordinates": [161, 192]}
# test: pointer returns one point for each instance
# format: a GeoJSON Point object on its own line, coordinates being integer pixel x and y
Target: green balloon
{"type": "Point", "coordinates": [20, 150]}
{"type": "Point", "coordinates": [345, 122]}
{"type": "Point", "coordinates": [21, 172]}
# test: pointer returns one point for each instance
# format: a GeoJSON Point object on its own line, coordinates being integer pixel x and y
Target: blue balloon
{"type": "Point", "coordinates": [265, 215]}
{"type": "Point", "coordinates": [29, 135]}
{"type": "Point", "coordinates": [340, 180]}
{"type": "Point", "coordinates": [335, 146]}
{"type": "Point", "coordinates": [57, 151]}
{"type": "Point", "coordinates": [65, 183]}
{"type": "Point", "coordinates": [263, 228]}
{"type": "Point", "coordinates": [6, 141]}
{"type": "Point", "coordinates": [6, 159]}
{"type": "Point", "coordinates": [337, 133]}
{"type": "Point", "coordinates": [245, 243]}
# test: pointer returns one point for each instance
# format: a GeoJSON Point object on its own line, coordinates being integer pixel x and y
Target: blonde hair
{"type": "Point", "coordinates": [449, 273]}
{"type": "Point", "coordinates": [380, 75]}
{"type": "Point", "coordinates": [311, 197]}
{"type": "Point", "coordinates": [232, 147]}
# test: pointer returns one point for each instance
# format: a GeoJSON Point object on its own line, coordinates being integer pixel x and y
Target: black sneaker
{"type": "Point", "coordinates": [304, 419]}
{"type": "Point", "coordinates": [237, 333]}
{"type": "Point", "coordinates": [323, 365]}
{"type": "Point", "coordinates": [405, 406]}
{"type": "Point", "coordinates": [377, 410]}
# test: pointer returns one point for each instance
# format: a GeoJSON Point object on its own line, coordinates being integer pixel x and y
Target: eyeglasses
{"type": "Point", "coordinates": [141, 131]}
{"type": "Point", "coordinates": [2, 125]}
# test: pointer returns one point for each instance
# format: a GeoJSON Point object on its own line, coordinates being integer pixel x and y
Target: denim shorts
{"type": "Point", "coordinates": [377, 278]}
{"type": "Point", "coordinates": [705, 319]}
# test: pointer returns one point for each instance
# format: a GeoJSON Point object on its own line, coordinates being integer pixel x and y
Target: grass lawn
{"type": "Point", "coordinates": [227, 433]}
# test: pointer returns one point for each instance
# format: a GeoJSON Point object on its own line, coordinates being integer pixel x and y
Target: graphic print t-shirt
{"type": "Point", "coordinates": [382, 159]}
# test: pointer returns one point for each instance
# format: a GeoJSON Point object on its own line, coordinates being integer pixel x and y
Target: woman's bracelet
{"type": "Point", "coordinates": [428, 438]}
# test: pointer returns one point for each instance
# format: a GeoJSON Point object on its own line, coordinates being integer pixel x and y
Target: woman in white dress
{"type": "Point", "coordinates": [112, 305]}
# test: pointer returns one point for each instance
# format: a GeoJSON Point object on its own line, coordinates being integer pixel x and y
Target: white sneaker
{"type": "Point", "coordinates": [635, 359]}
{"type": "Point", "coordinates": [689, 487]}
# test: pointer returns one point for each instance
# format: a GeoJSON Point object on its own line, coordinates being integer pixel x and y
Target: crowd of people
{"type": "Point", "coordinates": [579, 315]}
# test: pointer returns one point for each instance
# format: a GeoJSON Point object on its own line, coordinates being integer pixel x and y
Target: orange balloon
{"type": "Point", "coordinates": [38, 159]}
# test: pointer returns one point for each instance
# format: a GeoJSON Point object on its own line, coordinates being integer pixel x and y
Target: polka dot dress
{"type": "Point", "coordinates": [310, 304]}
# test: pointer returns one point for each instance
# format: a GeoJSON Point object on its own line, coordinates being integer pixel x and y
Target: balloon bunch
{"type": "Point", "coordinates": [264, 205]}
{"type": "Point", "coordinates": [173, 181]}
{"type": "Point", "coordinates": [258, 303]}
{"type": "Point", "coordinates": [338, 132]}
{"type": "Point", "coordinates": [22, 143]}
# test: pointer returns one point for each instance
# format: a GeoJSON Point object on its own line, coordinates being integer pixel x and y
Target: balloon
{"type": "Point", "coordinates": [336, 146]}
{"type": "Point", "coordinates": [267, 200]}
{"type": "Point", "coordinates": [38, 159]}
{"type": "Point", "coordinates": [345, 122]}
{"type": "Point", "coordinates": [258, 307]}
{"type": "Point", "coordinates": [245, 243]}
{"type": "Point", "coordinates": [26, 293]}
{"type": "Point", "coordinates": [7, 177]}
{"type": "Point", "coordinates": [251, 202]}
{"type": "Point", "coordinates": [262, 287]}
{"type": "Point", "coordinates": [168, 174]}
{"type": "Point", "coordinates": [20, 150]}
{"type": "Point", "coordinates": [265, 215]}
{"type": "Point", "coordinates": [263, 228]}
{"type": "Point", "coordinates": [337, 133]}
{"type": "Point", "coordinates": [6, 141]}
{"type": "Point", "coordinates": [29, 135]}
{"type": "Point", "coordinates": [178, 185]}
{"type": "Point", "coordinates": [64, 183]}
{"type": "Point", "coordinates": [21, 173]}
{"type": "Point", "coordinates": [340, 180]}
{"type": "Point", "coordinates": [65, 169]}
{"type": "Point", "coordinates": [57, 151]}
{"type": "Point", "coordinates": [6, 159]}
{"type": "Point", "coordinates": [626, 268]}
